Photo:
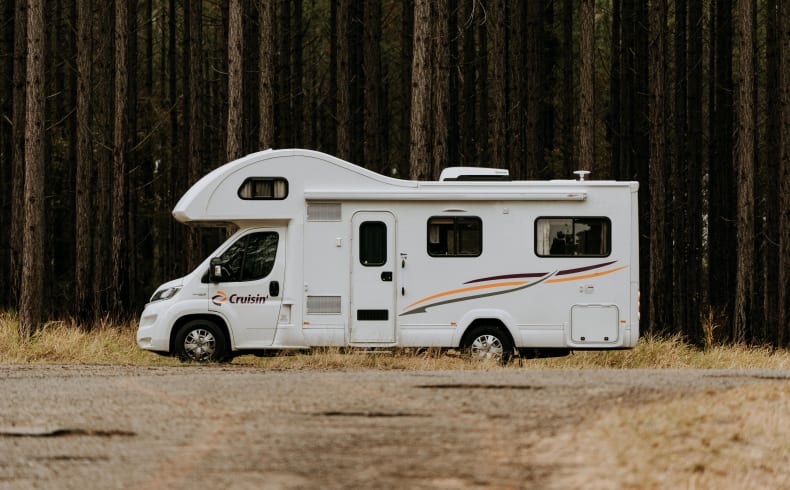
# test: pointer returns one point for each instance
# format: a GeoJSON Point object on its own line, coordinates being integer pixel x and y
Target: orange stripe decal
{"type": "Point", "coordinates": [466, 290]}
{"type": "Point", "coordinates": [585, 276]}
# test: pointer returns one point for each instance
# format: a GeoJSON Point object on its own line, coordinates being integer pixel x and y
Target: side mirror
{"type": "Point", "coordinates": [215, 270]}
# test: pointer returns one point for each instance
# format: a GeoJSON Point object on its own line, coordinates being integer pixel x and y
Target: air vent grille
{"type": "Point", "coordinates": [323, 305]}
{"type": "Point", "coordinates": [323, 211]}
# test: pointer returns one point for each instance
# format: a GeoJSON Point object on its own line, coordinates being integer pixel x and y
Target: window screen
{"type": "Point", "coordinates": [373, 243]}
{"type": "Point", "coordinates": [455, 236]}
{"type": "Point", "coordinates": [573, 237]}
{"type": "Point", "coordinates": [264, 188]}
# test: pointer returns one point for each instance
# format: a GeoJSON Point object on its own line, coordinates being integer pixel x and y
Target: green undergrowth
{"type": "Point", "coordinates": [114, 344]}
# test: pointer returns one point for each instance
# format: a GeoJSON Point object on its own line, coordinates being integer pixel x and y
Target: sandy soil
{"type": "Point", "coordinates": [220, 426]}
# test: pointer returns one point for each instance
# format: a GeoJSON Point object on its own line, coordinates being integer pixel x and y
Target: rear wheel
{"type": "Point", "coordinates": [200, 341]}
{"type": "Point", "coordinates": [487, 342]}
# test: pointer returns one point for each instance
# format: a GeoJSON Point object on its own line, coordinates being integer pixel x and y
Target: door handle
{"type": "Point", "coordinates": [386, 276]}
{"type": "Point", "coordinates": [274, 288]}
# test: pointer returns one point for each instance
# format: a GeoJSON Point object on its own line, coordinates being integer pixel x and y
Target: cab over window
{"type": "Point", "coordinates": [264, 188]}
{"type": "Point", "coordinates": [455, 236]}
{"type": "Point", "coordinates": [573, 237]}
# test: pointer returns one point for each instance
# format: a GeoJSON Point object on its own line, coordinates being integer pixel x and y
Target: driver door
{"type": "Point", "coordinates": [248, 289]}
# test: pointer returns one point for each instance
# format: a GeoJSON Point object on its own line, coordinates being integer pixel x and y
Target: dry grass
{"type": "Point", "coordinates": [67, 343]}
{"type": "Point", "coordinates": [738, 438]}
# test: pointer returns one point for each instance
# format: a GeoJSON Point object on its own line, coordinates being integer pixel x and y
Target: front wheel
{"type": "Point", "coordinates": [486, 342]}
{"type": "Point", "coordinates": [200, 341]}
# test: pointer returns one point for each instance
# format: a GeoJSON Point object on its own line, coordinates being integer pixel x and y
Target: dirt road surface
{"type": "Point", "coordinates": [85, 427]}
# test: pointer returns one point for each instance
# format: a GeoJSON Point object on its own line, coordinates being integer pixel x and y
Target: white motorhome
{"type": "Point", "coordinates": [331, 254]}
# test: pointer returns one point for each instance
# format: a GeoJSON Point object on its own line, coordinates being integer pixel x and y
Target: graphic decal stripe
{"type": "Point", "coordinates": [539, 274]}
{"type": "Point", "coordinates": [422, 309]}
{"type": "Point", "coordinates": [586, 276]}
{"type": "Point", "coordinates": [584, 269]}
{"type": "Point", "coordinates": [508, 276]}
{"type": "Point", "coordinates": [465, 290]}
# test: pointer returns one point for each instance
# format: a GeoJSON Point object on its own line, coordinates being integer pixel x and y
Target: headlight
{"type": "Point", "coordinates": [165, 293]}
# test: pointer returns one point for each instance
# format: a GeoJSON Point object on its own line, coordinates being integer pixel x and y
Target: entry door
{"type": "Point", "coordinates": [373, 278]}
{"type": "Point", "coordinates": [249, 292]}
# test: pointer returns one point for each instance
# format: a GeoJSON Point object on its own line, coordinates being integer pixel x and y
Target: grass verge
{"type": "Point", "coordinates": [104, 343]}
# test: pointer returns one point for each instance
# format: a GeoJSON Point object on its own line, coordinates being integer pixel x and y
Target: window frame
{"type": "Point", "coordinates": [456, 237]}
{"type": "Point", "coordinates": [273, 180]}
{"type": "Point", "coordinates": [363, 235]}
{"type": "Point", "coordinates": [603, 219]}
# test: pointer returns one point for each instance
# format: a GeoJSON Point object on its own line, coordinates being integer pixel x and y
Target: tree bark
{"type": "Point", "coordinates": [18, 138]}
{"type": "Point", "coordinates": [266, 69]}
{"type": "Point", "coordinates": [499, 104]}
{"type": "Point", "coordinates": [441, 87]}
{"type": "Point", "coordinates": [31, 301]}
{"type": "Point", "coordinates": [694, 174]}
{"type": "Point", "coordinates": [721, 195]}
{"type": "Point", "coordinates": [587, 84]}
{"type": "Point", "coordinates": [372, 65]}
{"type": "Point", "coordinates": [783, 328]}
{"type": "Point", "coordinates": [120, 136]}
{"type": "Point", "coordinates": [235, 45]}
{"type": "Point", "coordinates": [745, 165]}
{"type": "Point", "coordinates": [420, 167]}
{"type": "Point", "coordinates": [659, 282]}
{"type": "Point", "coordinates": [343, 109]}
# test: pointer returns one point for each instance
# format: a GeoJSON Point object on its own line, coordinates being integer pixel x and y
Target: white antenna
{"type": "Point", "coordinates": [582, 174]}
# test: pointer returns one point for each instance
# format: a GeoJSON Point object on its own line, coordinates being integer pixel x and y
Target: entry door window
{"type": "Point", "coordinates": [251, 257]}
{"type": "Point", "coordinates": [373, 243]}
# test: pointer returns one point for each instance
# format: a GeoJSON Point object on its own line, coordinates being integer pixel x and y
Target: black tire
{"type": "Point", "coordinates": [201, 341]}
{"type": "Point", "coordinates": [488, 342]}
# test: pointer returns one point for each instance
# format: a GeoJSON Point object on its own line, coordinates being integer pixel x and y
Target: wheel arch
{"type": "Point", "coordinates": [492, 320]}
{"type": "Point", "coordinates": [215, 319]}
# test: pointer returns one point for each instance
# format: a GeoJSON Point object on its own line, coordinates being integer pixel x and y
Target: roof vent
{"type": "Point", "coordinates": [582, 174]}
{"type": "Point", "coordinates": [474, 173]}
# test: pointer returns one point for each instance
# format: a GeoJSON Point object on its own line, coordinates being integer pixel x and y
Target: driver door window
{"type": "Point", "coordinates": [250, 258]}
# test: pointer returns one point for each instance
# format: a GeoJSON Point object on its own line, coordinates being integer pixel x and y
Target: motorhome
{"type": "Point", "coordinates": [328, 253]}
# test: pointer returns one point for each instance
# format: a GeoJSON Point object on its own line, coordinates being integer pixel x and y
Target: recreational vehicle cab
{"type": "Point", "coordinates": [331, 254]}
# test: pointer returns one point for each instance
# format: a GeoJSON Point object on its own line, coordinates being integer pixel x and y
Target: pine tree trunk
{"type": "Point", "coordinates": [658, 303]}
{"type": "Point", "coordinates": [372, 66]}
{"type": "Point", "coordinates": [745, 165]}
{"type": "Point", "coordinates": [120, 136]}
{"type": "Point", "coordinates": [676, 191]}
{"type": "Point", "coordinates": [587, 84]}
{"type": "Point", "coordinates": [694, 174]}
{"type": "Point", "coordinates": [235, 45]}
{"type": "Point", "coordinates": [498, 87]}
{"type": "Point", "coordinates": [721, 196]}
{"type": "Point", "coordinates": [31, 301]}
{"type": "Point", "coordinates": [420, 167]}
{"type": "Point", "coordinates": [266, 70]}
{"type": "Point", "coordinates": [783, 327]}
{"type": "Point", "coordinates": [441, 87]}
{"type": "Point", "coordinates": [343, 109]}
{"type": "Point", "coordinates": [533, 64]}
{"type": "Point", "coordinates": [18, 138]}
{"type": "Point", "coordinates": [569, 162]}
{"type": "Point", "coordinates": [83, 232]}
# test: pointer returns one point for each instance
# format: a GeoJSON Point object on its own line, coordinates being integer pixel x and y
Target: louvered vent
{"type": "Point", "coordinates": [323, 305]}
{"type": "Point", "coordinates": [323, 211]}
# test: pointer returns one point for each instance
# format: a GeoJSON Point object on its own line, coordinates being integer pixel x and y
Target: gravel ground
{"type": "Point", "coordinates": [86, 427]}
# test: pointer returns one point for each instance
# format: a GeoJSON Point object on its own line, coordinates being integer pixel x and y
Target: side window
{"type": "Point", "coordinates": [455, 236]}
{"type": "Point", "coordinates": [573, 237]}
{"type": "Point", "coordinates": [264, 188]}
{"type": "Point", "coordinates": [373, 243]}
{"type": "Point", "coordinates": [251, 257]}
